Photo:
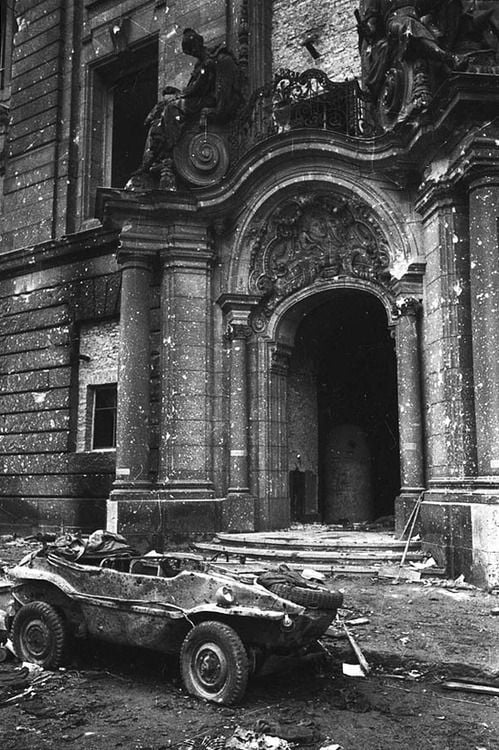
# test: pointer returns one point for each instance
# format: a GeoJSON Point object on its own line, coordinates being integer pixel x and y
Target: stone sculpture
{"type": "Point", "coordinates": [212, 95]}
{"type": "Point", "coordinates": [407, 48]}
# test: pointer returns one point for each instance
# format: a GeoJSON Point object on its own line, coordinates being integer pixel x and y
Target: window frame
{"type": "Point", "coordinates": [93, 390]}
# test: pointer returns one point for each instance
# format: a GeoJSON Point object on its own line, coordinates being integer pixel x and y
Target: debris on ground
{"type": "Point", "coordinates": [357, 621]}
{"type": "Point", "coordinates": [25, 682]}
{"type": "Point", "coordinates": [471, 687]}
{"type": "Point", "coordinates": [364, 664]}
{"type": "Point", "coordinates": [247, 739]}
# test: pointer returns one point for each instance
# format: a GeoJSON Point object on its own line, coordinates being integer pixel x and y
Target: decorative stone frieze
{"type": "Point", "coordinates": [310, 237]}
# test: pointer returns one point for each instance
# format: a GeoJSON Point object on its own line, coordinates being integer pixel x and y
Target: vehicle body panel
{"type": "Point", "coordinates": [150, 610]}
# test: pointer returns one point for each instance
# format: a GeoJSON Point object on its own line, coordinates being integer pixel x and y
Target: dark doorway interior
{"type": "Point", "coordinates": [351, 359]}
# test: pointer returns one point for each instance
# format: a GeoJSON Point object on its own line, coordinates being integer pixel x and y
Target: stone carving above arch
{"type": "Point", "coordinates": [312, 237]}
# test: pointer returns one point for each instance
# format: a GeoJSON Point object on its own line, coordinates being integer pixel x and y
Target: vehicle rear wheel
{"type": "Point", "coordinates": [214, 663]}
{"type": "Point", "coordinates": [39, 635]}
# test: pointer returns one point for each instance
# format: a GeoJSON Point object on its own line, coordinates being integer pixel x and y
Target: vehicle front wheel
{"type": "Point", "coordinates": [214, 663]}
{"type": "Point", "coordinates": [39, 635]}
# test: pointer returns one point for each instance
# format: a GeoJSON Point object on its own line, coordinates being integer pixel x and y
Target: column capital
{"type": "Point", "coordinates": [408, 307]}
{"type": "Point", "coordinates": [484, 180]}
{"type": "Point", "coordinates": [238, 331]}
{"type": "Point", "coordinates": [128, 258]}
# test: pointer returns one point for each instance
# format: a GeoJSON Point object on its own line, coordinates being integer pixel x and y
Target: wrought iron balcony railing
{"type": "Point", "coordinates": [299, 100]}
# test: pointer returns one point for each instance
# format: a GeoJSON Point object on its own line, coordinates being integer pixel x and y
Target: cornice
{"type": "Point", "coordinates": [68, 249]}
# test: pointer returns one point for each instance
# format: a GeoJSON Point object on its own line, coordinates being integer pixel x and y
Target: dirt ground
{"type": "Point", "coordinates": [417, 635]}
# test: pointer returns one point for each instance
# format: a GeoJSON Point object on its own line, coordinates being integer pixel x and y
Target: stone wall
{"type": "Point", "coordinates": [329, 26]}
{"type": "Point", "coordinates": [40, 312]}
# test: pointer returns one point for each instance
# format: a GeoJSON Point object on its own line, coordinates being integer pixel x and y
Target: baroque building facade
{"type": "Point", "coordinates": [249, 268]}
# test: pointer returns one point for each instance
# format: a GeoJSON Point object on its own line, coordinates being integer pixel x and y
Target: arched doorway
{"type": "Point", "coordinates": [343, 445]}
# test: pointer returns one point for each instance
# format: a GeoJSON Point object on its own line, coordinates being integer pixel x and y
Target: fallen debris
{"type": "Point", "coordinates": [247, 739]}
{"type": "Point", "coordinates": [352, 670]}
{"type": "Point", "coordinates": [357, 621]}
{"type": "Point", "coordinates": [399, 573]}
{"type": "Point", "coordinates": [471, 687]}
{"type": "Point", "coordinates": [357, 650]}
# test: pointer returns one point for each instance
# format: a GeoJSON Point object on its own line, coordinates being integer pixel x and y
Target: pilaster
{"type": "Point", "coordinates": [484, 280]}
{"type": "Point", "coordinates": [239, 506]}
{"type": "Point", "coordinates": [448, 380]}
{"type": "Point", "coordinates": [409, 398]}
{"type": "Point", "coordinates": [132, 448]}
{"type": "Point", "coordinates": [185, 465]}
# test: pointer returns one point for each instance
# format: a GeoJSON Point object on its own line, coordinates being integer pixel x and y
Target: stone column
{"type": "Point", "coordinates": [279, 511]}
{"type": "Point", "coordinates": [132, 442]}
{"type": "Point", "coordinates": [409, 399]}
{"type": "Point", "coordinates": [484, 281]}
{"type": "Point", "coordinates": [185, 468]}
{"type": "Point", "coordinates": [238, 409]}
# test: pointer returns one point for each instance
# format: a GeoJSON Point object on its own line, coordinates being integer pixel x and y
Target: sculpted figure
{"type": "Point", "coordinates": [212, 93]}
{"type": "Point", "coordinates": [413, 36]}
{"type": "Point", "coordinates": [400, 29]}
{"type": "Point", "coordinates": [405, 47]}
{"type": "Point", "coordinates": [470, 27]}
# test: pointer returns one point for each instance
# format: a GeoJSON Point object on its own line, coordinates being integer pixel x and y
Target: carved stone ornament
{"type": "Point", "coordinates": [311, 237]}
{"type": "Point", "coordinates": [408, 47]}
{"type": "Point", "coordinates": [201, 159]}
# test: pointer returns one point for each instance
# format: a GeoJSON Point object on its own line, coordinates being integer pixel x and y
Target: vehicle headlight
{"type": "Point", "coordinates": [225, 597]}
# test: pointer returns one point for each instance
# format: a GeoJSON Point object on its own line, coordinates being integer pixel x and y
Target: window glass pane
{"type": "Point", "coordinates": [104, 427]}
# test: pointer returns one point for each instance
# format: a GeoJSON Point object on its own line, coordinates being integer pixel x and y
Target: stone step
{"type": "Point", "coordinates": [348, 541]}
{"type": "Point", "coordinates": [306, 556]}
{"type": "Point", "coordinates": [325, 548]}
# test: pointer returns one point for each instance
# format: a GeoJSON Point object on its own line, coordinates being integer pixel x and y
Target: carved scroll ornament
{"type": "Point", "coordinates": [312, 237]}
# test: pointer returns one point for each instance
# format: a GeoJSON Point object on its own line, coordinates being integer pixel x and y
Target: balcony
{"type": "Point", "coordinates": [294, 101]}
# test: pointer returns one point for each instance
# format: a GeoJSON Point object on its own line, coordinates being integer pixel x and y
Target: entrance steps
{"type": "Point", "coordinates": [314, 546]}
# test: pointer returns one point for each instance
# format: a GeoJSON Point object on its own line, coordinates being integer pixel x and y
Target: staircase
{"type": "Point", "coordinates": [322, 548]}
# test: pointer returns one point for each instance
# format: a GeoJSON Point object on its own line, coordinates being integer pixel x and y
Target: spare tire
{"type": "Point", "coordinates": [310, 598]}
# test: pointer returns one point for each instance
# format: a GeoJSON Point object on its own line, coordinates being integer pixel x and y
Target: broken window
{"type": "Point", "coordinates": [123, 92]}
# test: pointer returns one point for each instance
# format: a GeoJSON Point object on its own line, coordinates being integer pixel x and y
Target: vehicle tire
{"type": "Point", "coordinates": [312, 598]}
{"type": "Point", "coordinates": [39, 635]}
{"type": "Point", "coordinates": [214, 663]}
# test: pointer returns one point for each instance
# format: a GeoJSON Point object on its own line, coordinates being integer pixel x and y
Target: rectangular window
{"type": "Point", "coordinates": [104, 416]}
{"type": "Point", "coordinates": [6, 16]}
{"type": "Point", "coordinates": [122, 93]}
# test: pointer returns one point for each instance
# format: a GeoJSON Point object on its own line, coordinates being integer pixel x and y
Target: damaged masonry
{"type": "Point", "coordinates": [248, 273]}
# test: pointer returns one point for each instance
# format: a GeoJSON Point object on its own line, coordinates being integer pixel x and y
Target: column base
{"type": "Point", "coordinates": [459, 526]}
{"type": "Point", "coordinates": [404, 504]}
{"type": "Point", "coordinates": [149, 519]}
{"type": "Point", "coordinates": [239, 511]}
{"type": "Point", "coordinates": [182, 490]}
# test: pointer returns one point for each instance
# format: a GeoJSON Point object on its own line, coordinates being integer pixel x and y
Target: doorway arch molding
{"type": "Point", "coordinates": [284, 320]}
{"type": "Point", "coordinates": [390, 209]}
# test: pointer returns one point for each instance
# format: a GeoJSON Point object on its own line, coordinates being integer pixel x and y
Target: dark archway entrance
{"type": "Point", "coordinates": [342, 412]}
